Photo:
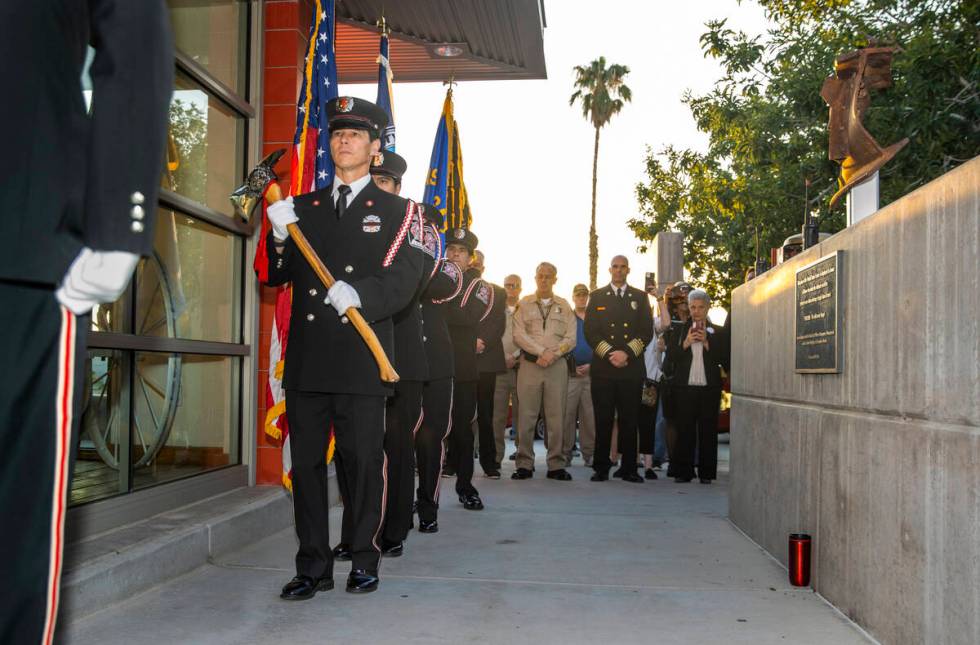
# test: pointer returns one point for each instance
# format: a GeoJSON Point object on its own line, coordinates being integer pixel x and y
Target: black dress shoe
{"type": "Point", "coordinates": [683, 480]}
{"type": "Point", "coordinates": [448, 472]}
{"type": "Point", "coordinates": [650, 473]}
{"type": "Point", "coordinates": [392, 550]}
{"type": "Point", "coordinates": [362, 581]}
{"type": "Point", "coordinates": [305, 587]}
{"type": "Point", "coordinates": [633, 478]}
{"type": "Point", "coordinates": [428, 527]}
{"type": "Point", "coordinates": [561, 475]}
{"type": "Point", "coordinates": [599, 477]}
{"type": "Point", "coordinates": [492, 474]}
{"type": "Point", "coordinates": [342, 552]}
{"type": "Point", "coordinates": [705, 480]}
{"type": "Point", "coordinates": [513, 456]}
{"type": "Point", "coordinates": [522, 473]}
{"type": "Point", "coordinates": [471, 502]}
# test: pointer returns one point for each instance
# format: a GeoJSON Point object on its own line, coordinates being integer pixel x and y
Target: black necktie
{"type": "Point", "coordinates": [619, 292]}
{"type": "Point", "coordinates": [343, 191]}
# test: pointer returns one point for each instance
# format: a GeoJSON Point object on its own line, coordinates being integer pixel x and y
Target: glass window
{"type": "Point", "coordinates": [185, 415]}
{"type": "Point", "coordinates": [212, 32]}
{"type": "Point", "coordinates": [205, 148]}
{"type": "Point", "coordinates": [104, 441]}
{"type": "Point", "coordinates": [191, 286]}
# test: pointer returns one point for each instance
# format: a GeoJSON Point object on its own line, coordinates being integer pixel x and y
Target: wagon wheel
{"type": "Point", "coordinates": [156, 383]}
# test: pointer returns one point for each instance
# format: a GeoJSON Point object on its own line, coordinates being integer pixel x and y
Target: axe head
{"type": "Point", "coordinates": [246, 196]}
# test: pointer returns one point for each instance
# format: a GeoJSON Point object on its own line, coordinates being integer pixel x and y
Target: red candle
{"type": "Point", "coordinates": [799, 559]}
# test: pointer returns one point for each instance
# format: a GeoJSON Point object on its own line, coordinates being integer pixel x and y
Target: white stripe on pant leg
{"type": "Point", "coordinates": [384, 488]}
{"type": "Point", "coordinates": [63, 420]}
{"type": "Point", "coordinates": [442, 447]}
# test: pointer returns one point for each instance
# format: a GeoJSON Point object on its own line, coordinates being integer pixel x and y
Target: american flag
{"type": "Point", "coordinates": [311, 169]}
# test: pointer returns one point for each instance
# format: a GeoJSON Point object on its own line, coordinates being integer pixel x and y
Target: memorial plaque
{"type": "Point", "coordinates": [818, 316]}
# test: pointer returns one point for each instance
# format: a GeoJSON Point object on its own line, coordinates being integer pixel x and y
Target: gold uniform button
{"type": "Point", "coordinates": [344, 319]}
{"type": "Point", "coordinates": [349, 269]}
{"type": "Point", "coordinates": [136, 212]}
{"type": "Point", "coordinates": [137, 197]}
{"type": "Point", "coordinates": [312, 292]}
{"type": "Point", "coordinates": [136, 227]}
{"type": "Point", "coordinates": [310, 317]}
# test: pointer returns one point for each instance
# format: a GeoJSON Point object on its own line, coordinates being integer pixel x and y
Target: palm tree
{"type": "Point", "coordinates": [602, 93]}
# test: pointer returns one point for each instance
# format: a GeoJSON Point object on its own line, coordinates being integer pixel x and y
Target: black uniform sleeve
{"type": "Point", "coordinates": [132, 80]}
{"type": "Point", "coordinates": [592, 327]}
{"type": "Point", "coordinates": [643, 328]}
{"type": "Point", "coordinates": [279, 263]}
{"type": "Point", "coordinates": [469, 310]}
{"type": "Point", "coordinates": [391, 289]}
{"type": "Point", "coordinates": [495, 323]}
{"type": "Point", "coordinates": [445, 284]}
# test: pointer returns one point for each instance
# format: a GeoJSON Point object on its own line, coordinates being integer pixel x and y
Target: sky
{"type": "Point", "coordinates": [528, 155]}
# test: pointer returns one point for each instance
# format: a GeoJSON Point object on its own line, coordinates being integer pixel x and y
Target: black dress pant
{"type": "Point", "coordinates": [359, 428]}
{"type": "Point", "coordinates": [42, 358]}
{"type": "Point", "coordinates": [697, 430]}
{"type": "Point", "coordinates": [461, 437]}
{"type": "Point", "coordinates": [404, 416]}
{"type": "Point", "coordinates": [615, 399]}
{"type": "Point", "coordinates": [489, 459]}
{"type": "Point", "coordinates": [437, 409]}
{"type": "Point", "coordinates": [646, 428]}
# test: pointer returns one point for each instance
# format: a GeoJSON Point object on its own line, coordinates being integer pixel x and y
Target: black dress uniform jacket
{"type": "Point", "coordinates": [474, 306]}
{"type": "Point", "coordinates": [445, 287]}
{"type": "Point", "coordinates": [613, 323]}
{"type": "Point", "coordinates": [491, 330]}
{"type": "Point", "coordinates": [69, 179]}
{"type": "Point", "coordinates": [409, 359]}
{"type": "Point", "coordinates": [372, 250]}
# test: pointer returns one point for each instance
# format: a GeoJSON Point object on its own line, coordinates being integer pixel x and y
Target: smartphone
{"type": "Point", "coordinates": [650, 284]}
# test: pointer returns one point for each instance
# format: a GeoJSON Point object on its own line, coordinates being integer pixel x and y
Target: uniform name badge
{"type": "Point", "coordinates": [371, 224]}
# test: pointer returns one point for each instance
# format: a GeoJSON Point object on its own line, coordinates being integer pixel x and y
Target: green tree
{"type": "Point", "coordinates": [602, 93]}
{"type": "Point", "coordinates": [767, 125]}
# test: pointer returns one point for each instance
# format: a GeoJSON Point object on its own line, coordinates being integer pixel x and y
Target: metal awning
{"type": "Point", "coordinates": [495, 40]}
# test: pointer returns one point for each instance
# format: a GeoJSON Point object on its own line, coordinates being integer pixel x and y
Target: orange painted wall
{"type": "Point", "coordinates": [286, 28]}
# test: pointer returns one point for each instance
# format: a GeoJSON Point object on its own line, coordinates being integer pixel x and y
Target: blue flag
{"type": "Point", "coordinates": [444, 187]}
{"type": "Point", "coordinates": [384, 94]}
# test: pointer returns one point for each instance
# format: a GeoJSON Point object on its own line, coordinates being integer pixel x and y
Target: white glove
{"type": "Point", "coordinates": [281, 215]}
{"type": "Point", "coordinates": [342, 296]}
{"type": "Point", "coordinates": [94, 277]}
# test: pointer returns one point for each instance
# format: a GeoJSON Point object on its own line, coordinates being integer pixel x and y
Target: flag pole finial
{"type": "Point", "coordinates": [451, 82]}
{"type": "Point", "coordinates": [382, 25]}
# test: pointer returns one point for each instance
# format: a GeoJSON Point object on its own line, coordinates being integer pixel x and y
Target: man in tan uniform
{"type": "Point", "coordinates": [544, 330]}
{"type": "Point", "coordinates": [505, 389]}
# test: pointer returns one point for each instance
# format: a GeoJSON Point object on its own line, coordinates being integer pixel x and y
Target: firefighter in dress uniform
{"type": "Point", "coordinates": [364, 236]}
{"type": "Point", "coordinates": [618, 325]}
{"type": "Point", "coordinates": [79, 196]}
{"type": "Point", "coordinates": [475, 305]}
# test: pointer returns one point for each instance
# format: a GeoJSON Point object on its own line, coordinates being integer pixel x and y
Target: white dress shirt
{"type": "Point", "coordinates": [356, 186]}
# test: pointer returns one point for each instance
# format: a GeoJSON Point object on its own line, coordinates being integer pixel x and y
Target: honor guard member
{"type": "Point", "coordinates": [364, 237]}
{"type": "Point", "coordinates": [404, 409]}
{"type": "Point", "coordinates": [489, 363]}
{"type": "Point", "coordinates": [618, 326]}
{"type": "Point", "coordinates": [78, 200]}
{"type": "Point", "coordinates": [445, 290]}
{"type": "Point", "coordinates": [474, 306]}
{"type": "Point", "coordinates": [544, 329]}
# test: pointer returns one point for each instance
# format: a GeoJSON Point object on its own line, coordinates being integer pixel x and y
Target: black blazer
{"type": "Point", "coordinates": [410, 356]}
{"type": "Point", "coordinates": [613, 323]}
{"type": "Point", "coordinates": [463, 316]}
{"type": "Point", "coordinates": [491, 331]}
{"type": "Point", "coordinates": [677, 362]}
{"type": "Point", "coordinates": [70, 179]}
{"type": "Point", "coordinates": [372, 249]}
{"type": "Point", "coordinates": [445, 288]}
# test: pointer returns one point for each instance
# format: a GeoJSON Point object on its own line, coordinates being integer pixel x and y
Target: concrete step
{"type": "Point", "coordinates": [116, 565]}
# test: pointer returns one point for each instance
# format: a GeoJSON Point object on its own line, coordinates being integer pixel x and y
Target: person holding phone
{"type": "Point", "coordinates": [696, 354]}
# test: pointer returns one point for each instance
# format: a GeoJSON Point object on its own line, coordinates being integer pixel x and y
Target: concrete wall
{"type": "Point", "coordinates": [880, 463]}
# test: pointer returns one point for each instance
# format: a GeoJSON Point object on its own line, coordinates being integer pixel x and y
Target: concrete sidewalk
{"type": "Point", "coordinates": [546, 562]}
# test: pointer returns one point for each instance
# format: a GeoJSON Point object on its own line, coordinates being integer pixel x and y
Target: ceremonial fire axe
{"type": "Point", "coordinates": [261, 180]}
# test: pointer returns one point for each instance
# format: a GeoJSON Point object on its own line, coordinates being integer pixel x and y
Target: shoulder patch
{"type": "Point", "coordinates": [451, 271]}
{"type": "Point", "coordinates": [485, 295]}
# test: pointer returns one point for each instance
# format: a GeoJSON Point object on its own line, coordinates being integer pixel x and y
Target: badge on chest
{"type": "Point", "coordinates": [371, 224]}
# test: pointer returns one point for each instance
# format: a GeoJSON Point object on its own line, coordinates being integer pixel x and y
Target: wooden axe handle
{"type": "Point", "coordinates": [388, 373]}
